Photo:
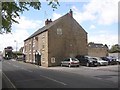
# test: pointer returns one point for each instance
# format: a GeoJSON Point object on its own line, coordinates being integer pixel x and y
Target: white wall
{"type": "Point", "coordinates": [114, 54]}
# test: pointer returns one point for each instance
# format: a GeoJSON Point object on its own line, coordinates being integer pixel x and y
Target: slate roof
{"type": "Point", "coordinates": [96, 45]}
{"type": "Point", "coordinates": [46, 27]}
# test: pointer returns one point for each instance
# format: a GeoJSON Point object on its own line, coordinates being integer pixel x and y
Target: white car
{"type": "Point", "coordinates": [70, 62]}
{"type": "Point", "coordinates": [118, 60]}
{"type": "Point", "coordinates": [1, 58]}
{"type": "Point", "coordinates": [100, 61]}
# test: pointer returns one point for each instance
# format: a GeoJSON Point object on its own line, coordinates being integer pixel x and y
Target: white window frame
{"type": "Point", "coordinates": [59, 31]}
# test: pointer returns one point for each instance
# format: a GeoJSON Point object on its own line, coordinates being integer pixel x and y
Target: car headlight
{"type": "Point", "coordinates": [90, 61]}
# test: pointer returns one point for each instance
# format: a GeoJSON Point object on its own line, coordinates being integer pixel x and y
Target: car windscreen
{"type": "Point", "coordinates": [92, 59]}
{"type": "Point", "coordinates": [74, 59]}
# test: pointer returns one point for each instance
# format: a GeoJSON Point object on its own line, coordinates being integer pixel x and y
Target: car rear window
{"type": "Point", "coordinates": [74, 59]}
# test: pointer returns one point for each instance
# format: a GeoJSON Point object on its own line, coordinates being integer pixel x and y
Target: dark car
{"type": "Point", "coordinates": [86, 60]}
{"type": "Point", "coordinates": [111, 60]}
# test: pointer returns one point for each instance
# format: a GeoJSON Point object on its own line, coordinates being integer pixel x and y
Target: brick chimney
{"type": "Point", "coordinates": [71, 13]}
{"type": "Point", "coordinates": [48, 21]}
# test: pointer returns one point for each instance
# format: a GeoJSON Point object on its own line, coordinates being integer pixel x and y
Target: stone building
{"type": "Point", "coordinates": [97, 50]}
{"type": "Point", "coordinates": [57, 40]}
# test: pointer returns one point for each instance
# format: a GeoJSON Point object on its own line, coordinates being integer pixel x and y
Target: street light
{"type": "Point", "coordinates": [16, 45]}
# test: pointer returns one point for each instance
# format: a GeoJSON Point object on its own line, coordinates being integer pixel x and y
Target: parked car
{"type": "Point", "coordinates": [111, 60]}
{"type": "Point", "coordinates": [100, 61]}
{"type": "Point", "coordinates": [19, 58]}
{"type": "Point", "coordinates": [106, 59]}
{"type": "Point", "coordinates": [86, 60]}
{"type": "Point", "coordinates": [70, 62]}
{"type": "Point", "coordinates": [1, 57]}
{"type": "Point", "coordinates": [118, 60]}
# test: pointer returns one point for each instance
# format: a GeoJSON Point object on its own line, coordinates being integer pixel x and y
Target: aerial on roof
{"type": "Point", "coordinates": [46, 27]}
{"type": "Point", "coordinates": [50, 23]}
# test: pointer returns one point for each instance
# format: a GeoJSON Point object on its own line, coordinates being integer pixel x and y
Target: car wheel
{"type": "Point", "coordinates": [87, 64]}
{"type": "Point", "coordinates": [99, 64]}
{"type": "Point", "coordinates": [69, 65]}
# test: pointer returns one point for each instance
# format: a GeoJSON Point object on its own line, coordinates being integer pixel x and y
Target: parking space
{"type": "Point", "coordinates": [113, 68]}
{"type": "Point", "coordinates": [109, 72]}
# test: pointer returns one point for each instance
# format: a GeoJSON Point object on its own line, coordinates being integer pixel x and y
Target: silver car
{"type": "Point", "coordinates": [100, 61]}
{"type": "Point", "coordinates": [70, 62]}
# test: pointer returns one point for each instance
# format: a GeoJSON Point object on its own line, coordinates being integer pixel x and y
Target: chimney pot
{"type": "Point", "coordinates": [71, 13]}
{"type": "Point", "coordinates": [48, 21]}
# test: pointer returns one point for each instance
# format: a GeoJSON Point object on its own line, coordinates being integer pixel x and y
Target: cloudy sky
{"type": "Point", "coordinates": [98, 17]}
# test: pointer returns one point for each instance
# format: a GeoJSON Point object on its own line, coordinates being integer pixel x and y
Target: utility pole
{"type": "Point", "coordinates": [16, 45]}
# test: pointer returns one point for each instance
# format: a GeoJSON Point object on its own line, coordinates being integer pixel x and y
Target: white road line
{"type": "Point", "coordinates": [9, 80]}
{"type": "Point", "coordinates": [21, 67]}
{"type": "Point", "coordinates": [27, 80]}
{"type": "Point", "coordinates": [15, 66]}
{"type": "Point", "coordinates": [54, 80]}
{"type": "Point", "coordinates": [8, 63]}
{"type": "Point", "coordinates": [26, 70]}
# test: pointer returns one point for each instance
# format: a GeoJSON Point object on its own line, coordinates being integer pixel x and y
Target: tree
{"type": "Point", "coordinates": [11, 10]}
{"type": "Point", "coordinates": [115, 49]}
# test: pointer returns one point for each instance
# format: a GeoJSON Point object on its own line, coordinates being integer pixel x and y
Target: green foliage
{"type": "Point", "coordinates": [115, 49]}
{"type": "Point", "coordinates": [53, 4]}
{"type": "Point", "coordinates": [11, 10]}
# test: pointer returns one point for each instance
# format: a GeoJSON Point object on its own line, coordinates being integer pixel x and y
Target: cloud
{"type": "Point", "coordinates": [103, 36]}
{"type": "Point", "coordinates": [101, 13]}
{"type": "Point", "coordinates": [55, 16]}
{"type": "Point", "coordinates": [92, 27]}
{"type": "Point", "coordinates": [20, 32]}
{"type": "Point", "coordinates": [104, 12]}
{"type": "Point", "coordinates": [27, 24]}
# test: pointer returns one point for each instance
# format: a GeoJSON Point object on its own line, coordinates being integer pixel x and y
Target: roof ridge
{"type": "Point", "coordinates": [44, 28]}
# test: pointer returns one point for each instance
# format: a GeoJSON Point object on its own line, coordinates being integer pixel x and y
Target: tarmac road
{"type": "Point", "coordinates": [24, 75]}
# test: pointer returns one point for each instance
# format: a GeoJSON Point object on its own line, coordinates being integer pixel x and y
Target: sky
{"type": "Point", "coordinates": [99, 18]}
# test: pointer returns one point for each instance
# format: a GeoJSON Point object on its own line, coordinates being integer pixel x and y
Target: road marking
{"type": "Point", "coordinates": [21, 67]}
{"type": "Point", "coordinates": [13, 60]}
{"type": "Point", "coordinates": [27, 80]}
{"type": "Point", "coordinates": [9, 80]}
{"type": "Point", "coordinates": [26, 70]}
{"type": "Point", "coordinates": [54, 80]}
{"type": "Point", "coordinates": [15, 66]}
{"type": "Point", "coordinates": [8, 63]}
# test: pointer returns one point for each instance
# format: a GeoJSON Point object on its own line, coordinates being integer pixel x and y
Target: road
{"type": "Point", "coordinates": [0, 75]}
{"type": "Point", "coordinates": [24, 75]}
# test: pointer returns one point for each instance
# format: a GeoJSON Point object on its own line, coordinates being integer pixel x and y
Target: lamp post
{"type": "Point", "coordinates": [16, 45]}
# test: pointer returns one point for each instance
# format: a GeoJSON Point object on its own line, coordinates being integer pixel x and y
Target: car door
{"type": "Point", "coordinates": [80, 57]}
{"type": "Point", "coordinates": [63, 62]}
{"type": "Point", "coordinates": [85, 60]}
{"type": "Point", "coordinates": [67, 61]}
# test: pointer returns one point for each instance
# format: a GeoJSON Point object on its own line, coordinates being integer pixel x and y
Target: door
{"type": "Point", "coordinates": [38, 59]}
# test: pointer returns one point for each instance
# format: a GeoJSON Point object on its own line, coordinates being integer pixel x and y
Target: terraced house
{"type": "Point", "coordinates": [57, 40]}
